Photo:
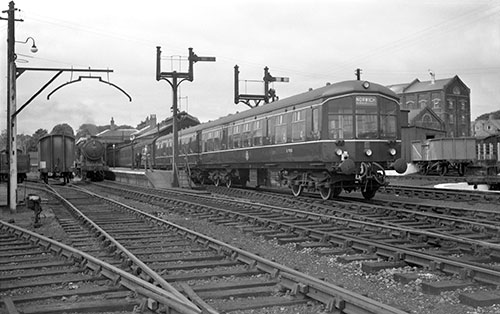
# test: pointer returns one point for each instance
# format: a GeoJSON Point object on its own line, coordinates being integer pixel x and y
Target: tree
{"type": "Point", "coordinates": [35, 138]}
{"type": "Point", "coordinates": [486, 116]}
{"type": "Point", "coordinates": [63, 129]}
{"type": "Point", "coordinates": [86, 129]}
{"type": "Point", "coordinates": [3, 140]}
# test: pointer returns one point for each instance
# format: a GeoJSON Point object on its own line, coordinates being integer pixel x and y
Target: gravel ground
{"type": "Point", "coordinates": [379, 286]}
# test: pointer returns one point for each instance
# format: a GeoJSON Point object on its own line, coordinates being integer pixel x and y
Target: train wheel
{"type": "Point", "coordinates": [461, 169]}
{"type": "Point", "coordinates": [423, 170]}
{"type": "Point", "coordinates": [442, 170]}
{"type": "Point", "coordinates": [336, 189]}
{"type": "Point", "coordinates": [326, 192]}
{"type": "Point", "coordinates": [369, 192]}
{"type": "Point", "coordinates": [297, 189]}
{"type": "Point", "coordinates": [229, 182]}
{"type": "Point", "coordinates": [217, 182]}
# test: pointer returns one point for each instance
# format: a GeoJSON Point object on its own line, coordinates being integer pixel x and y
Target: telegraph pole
{"type": "Point", "coordinates": [11, 107]}
{"type": "Point", "coordinates": [177, 79]}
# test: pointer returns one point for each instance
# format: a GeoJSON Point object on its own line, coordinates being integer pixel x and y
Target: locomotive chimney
{"type": "Point", "coordinates": [433, 77]}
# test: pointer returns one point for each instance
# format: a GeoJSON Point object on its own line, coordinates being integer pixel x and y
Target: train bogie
{"type": "Point", "coordinates": [56, 156]}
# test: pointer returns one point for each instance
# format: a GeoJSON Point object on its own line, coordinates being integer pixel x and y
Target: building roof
{"type": "Point", "coordinates": [417, 86]}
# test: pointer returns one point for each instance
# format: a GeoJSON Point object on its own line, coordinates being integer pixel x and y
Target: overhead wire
{"type": "Point", "coordinates": [432, 31]}
{"type": "Point", "coordinates": [326, 72]}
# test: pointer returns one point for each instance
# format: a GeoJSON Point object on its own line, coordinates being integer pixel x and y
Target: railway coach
{"type": "Point", "coordinates": [340, 137]}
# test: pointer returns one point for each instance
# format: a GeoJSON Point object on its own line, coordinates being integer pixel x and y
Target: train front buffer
{"type": "Point", "coordinates": [366, 162]}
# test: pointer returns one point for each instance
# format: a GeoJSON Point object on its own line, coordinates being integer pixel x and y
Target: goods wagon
{"type": "Point", "coordinates": [461, 154]}
{"type": "Point", "coordinates": [56, 156]}
{"type": "Point", "coordinates": [23, 166]}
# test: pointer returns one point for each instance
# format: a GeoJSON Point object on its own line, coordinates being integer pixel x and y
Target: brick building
{"type": "Point", "coordinates": [442, 105]}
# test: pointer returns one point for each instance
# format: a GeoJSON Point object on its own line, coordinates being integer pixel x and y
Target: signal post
{"type": "Point", "coordinates": [177, 79]}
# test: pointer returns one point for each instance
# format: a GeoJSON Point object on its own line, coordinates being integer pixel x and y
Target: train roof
{"type": "Point", "coordinates": [322, 93]}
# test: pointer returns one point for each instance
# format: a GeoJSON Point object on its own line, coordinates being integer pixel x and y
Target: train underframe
{"type": "Point", "coordinates": [443, 167]}
{"type": "Point", "coordinates": [67, 176]}
{"type": "Point", "coordinates": [328, 183]}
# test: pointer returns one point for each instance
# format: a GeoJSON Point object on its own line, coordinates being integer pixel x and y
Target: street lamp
{"type": "Point", "coordinates": [33, 49]}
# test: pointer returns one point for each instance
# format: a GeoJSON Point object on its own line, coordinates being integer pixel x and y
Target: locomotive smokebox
{"type": "Point", "coordinates": [93, 150]}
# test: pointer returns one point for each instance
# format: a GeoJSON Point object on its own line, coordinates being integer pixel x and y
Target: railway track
{"type": "Point", "coordinates": [215, 276]}
{"type": "Point", "coordinates": [40, 275]}
{"type": "Point", "coordinates": [405, 186]}
{"type": "Point", "coordinates": [464, 248]}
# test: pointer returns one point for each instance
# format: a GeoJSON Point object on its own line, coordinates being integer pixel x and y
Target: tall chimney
{"type": "Point", "coordinates": [433, 76]}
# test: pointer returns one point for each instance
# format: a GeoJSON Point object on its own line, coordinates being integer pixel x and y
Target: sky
{"type": "Point", "coordinates": [311, 42]}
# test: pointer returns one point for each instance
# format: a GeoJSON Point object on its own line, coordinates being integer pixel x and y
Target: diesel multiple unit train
{"type": "Point", "coordinates": [342, 136]}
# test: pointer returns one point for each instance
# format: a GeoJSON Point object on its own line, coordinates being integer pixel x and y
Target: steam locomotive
{"type": "Point", "coordinates": [90, 163]}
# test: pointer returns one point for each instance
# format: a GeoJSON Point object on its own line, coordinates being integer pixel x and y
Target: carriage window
{"type": "Point", "coordinates": [246, 136]}
{"type": "Point", "coordinates": [298, 126]}
{"type": "Point", "coordinates": [257, 133]}
{"type": "Point", "coordinates": [217, 139]}
{"type": "Point", "coordinates": [204, 138]}
{"type": "Point", "coordinates": [236, 136]}
{"type": "Point", "coordinates": [280, 129]}
{"type": "Point", "coordinates": [315, 124]}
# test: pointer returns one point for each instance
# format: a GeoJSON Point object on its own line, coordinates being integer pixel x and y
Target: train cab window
{"type": "Point", "coordinates": [298, 125]}
{"type": "Point", "coordinates": [340, 118]}
{"type": "Point", "coordinates": [366, 117]}
{"type": "Point", "coordinates": [388, 118]}
{"type": "Point", "coordinates": [280, 129]}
